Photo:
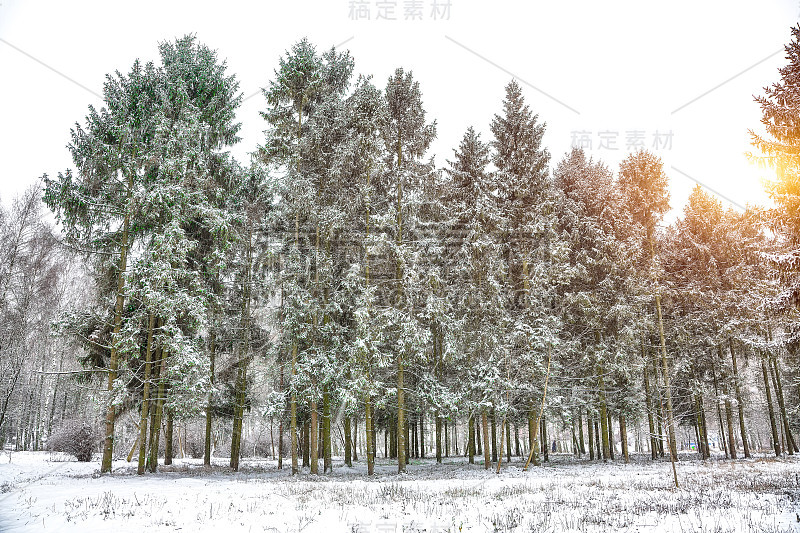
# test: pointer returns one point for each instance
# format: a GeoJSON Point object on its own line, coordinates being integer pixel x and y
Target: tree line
{"type": "Point", "coordinates": [341, 277]}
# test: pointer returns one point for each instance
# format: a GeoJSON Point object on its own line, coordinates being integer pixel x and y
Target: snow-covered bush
{"type": "Point", "coordinates": [75, 437]}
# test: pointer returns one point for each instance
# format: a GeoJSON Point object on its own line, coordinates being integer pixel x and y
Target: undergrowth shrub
{"type": "Point", "coordinates": [75, 437]}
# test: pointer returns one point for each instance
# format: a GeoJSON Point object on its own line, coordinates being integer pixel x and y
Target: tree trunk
{"type": "Point", "coordinates": [791, 446]}
{"type": "Point", "coordinates": [307, 442]}
{"type": "Point", "coordinates": [738, 390]}
{"type": "Point", "coordinates": [545, 440]}
{"type": "Point", "coordinates": [719, 410]}
{"type": "Point", "coordinates": [393, 437]}
{"type": "Point", "coordinates": [354, 440]}
{"type": "Point", "coordinates": [731, 438]}
{"type": "Point", "coordinates": [591, 437]}
{"type": "Point", "coordinates": [407, 441]}
{"type": "Point", "coordinates": [623, 437]}
{"type": "Point", "coordinates": [370, 434]}
{"type": "Point", "coordinates": [283, 412]}
{"type": "Point", "coordinates": [487, 459]}
{"type": "Point", "coordinates": [155, 423]}
{"type": "Point", "coordinates": [705, 428]}
{"type": "Point", "coordinates": [649, 404]}
{"type": "Point", "coordinates": [471, 439]}
{"type": "Point", "coordinates": [293, 415]}
{"type": "Point", "coordinates": [168, 437]}
{"type": "Point", "coordinates": [597, 438]}
{"type": "Point", "coordinates": [414, 435]}
{"type": "Point", "coordinates": [148, 363]}
{"type": "Point", "coordinates": [401, 417]}
{"type": "Point", "coordinates": [446, 438]}
{"type": "Point", "coordinates": [702, 431]}
{"type": "Point", "coordinates": [606, 450]}
{"type": "Point", "coordinates": [534, 419]}
{"type": "Point", "coordinates": [670, 420]}
{"type": "Point", "coordinates": [478, 445]}
{"type": "Point", "coordinates": [119, 304]}
{"type": "Point", "coordinates": [438, 437]}
{"type": "Point", "coordinates": [508, 439]}
{"type": "Point", "coordinates": [531, 424]}
{"type": "Point", "coordinates": [422, 434]}
{"type": "Point", "coordinates": [494, 436]}
{"type": "Point", "coordinates": [209, 408]}
{"type": "Point", "coordinates": [313, 444]}
{"type": "Point", "coordinates": [243, 355]}
{"type": "Point", "coordinates": [348, 443]}
{"type": "Point", "coordinates": [326, 432]}
{"type": "Point", "coordinates": [500, 454]}
{"type": "Point", "coordinates": [776, 442]}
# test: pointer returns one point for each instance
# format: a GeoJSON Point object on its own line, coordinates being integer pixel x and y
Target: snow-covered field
{"type": "Point", "coordinates": [42, 492]}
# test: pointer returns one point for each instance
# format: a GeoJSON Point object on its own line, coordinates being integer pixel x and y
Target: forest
{"type": "Point", "coordinates": [343, 297]}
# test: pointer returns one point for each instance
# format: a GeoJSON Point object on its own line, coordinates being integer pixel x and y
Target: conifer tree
{"type": "Point", "coordinates": [477, 277]}
{"type": "Point", "coordinates": [531, 251]}
{"type": "Point", "coordinates": [644, 186]}
{"type": "Point", "coordinates": [406, 137]}
{"type": "Point", "coordinates": [306, 92]}
{"type": "Point", "coordinates": [144, 162]}
{"type": "Point", "coordinates": [115, 155]}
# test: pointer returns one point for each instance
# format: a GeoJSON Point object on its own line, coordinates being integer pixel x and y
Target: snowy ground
{"type": "Point", "coordinates": [41, 492]}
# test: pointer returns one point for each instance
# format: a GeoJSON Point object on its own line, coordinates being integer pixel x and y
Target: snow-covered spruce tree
{"type": "Point", "coordinates": [361, 161]}
{"type": "Point", "coordinates": [252, 253]}
{"type": "Point", "coordinates": [98, 208]}
{"type": "Point", "coordinates": [780, 146]}
{"type": "Point", "coordinates": [779, 149]}
{"type": "Point", "coordinates": [645, 193]}
{"type": "Point", "coordinates": [476, 281]}
{"type": "Point", "coordinates": [596, 301]}
{"type": "Point", "coordinates": [689, 254]}
{"type": "Point", "coordinates": [532, 252]}
{"type": "Point", "coordinates": [213, 257]}
{"type": "Point", "coordinates": [433, 377]}
{"type": "Point", "coordinates": [166, 297]}
{"type": "Point", "coordinates": [199, 104]}
{"type": "Point", "coordinates": [202, 98]}
{"type": "Point", "coordinates": [719, 288]}
{"type": "Point", "coordinates": [305, 82]}
{"type": "Point", "coordinates": [406, 138]}
{"type": "Point", "coordinates": [327, 253]}
{"type": "Point", "coordinates": [145, 164]}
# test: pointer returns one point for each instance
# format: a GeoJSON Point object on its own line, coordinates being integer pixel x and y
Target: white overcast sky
{"type": "Point", "coordinates": [602, 72]}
